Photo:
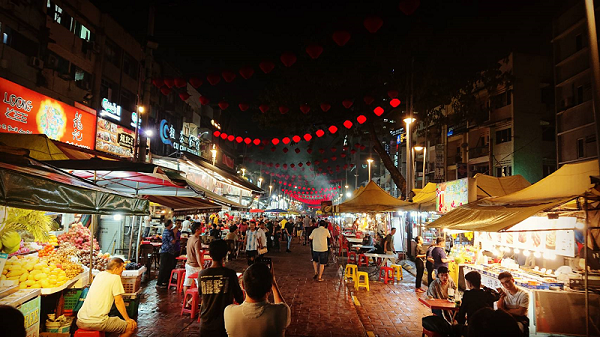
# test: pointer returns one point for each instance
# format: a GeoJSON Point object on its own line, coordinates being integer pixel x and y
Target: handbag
{"type": "Point", "coordinates": [262, 251]}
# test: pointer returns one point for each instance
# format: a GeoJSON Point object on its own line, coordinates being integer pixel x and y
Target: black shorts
{"type": "Point", "coordinates": [320, 257]}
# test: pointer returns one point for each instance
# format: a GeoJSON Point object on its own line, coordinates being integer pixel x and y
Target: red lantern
{"type": "Point", "coordinates": [325, 107]}
{"type": "Point", "coordinates": [247, 141]}
{"type": "Point", "coordinates": [345, 148]}
{"type": "Point", "coordinates": [297, 150]}
{"type": "Point", "coordinates": [304, 108]}
{"type": "Point", "coordinates": [273, 149]}
{"type": "Point", "coordinates": [357, 145]}
{"type": "Point", "coordinates": [158, 82]}
{"type": "Point", "coordinates": [195, 82]}
{"type": "Point", "coordinates": [395, 102]}
{"type": "Point", "coordinates": [267, 66]}
{"type": "Point", "coordinates": [165, 91]}
{"type": "Point", "coordinates": [309, 151]}
{"type": "Point", "coordinates": [243, 106]}
{"type": "Point", "coordinates": [362, 147]}
{"type": "Point", "coordinates": [347, 103]}
{"type": "Point", "coordinates": [263, 108]}
{"type": "Point", "coordinates": [213, 79]}
{"type": "Point", "coordinates": [239, 139]}
{"type": "Point", "coordinates": [378, 111]}
{"type": "Point", "coordinates": [223, 135]}
{"type": "Point", "coordinates": [325, 160]}
{"type": "Point", "coordinates": [333, 129]}
{"type": "Point", "coordinates": [256, 142]}
{"type": "Point", "coordinates": [292, 165]}
{"type": "Point", "coordinates": [351, 165]}
{"type": "Point", "coordinates": [285, 140]}
{"type": "Point", "coordinates": [353, 151]}
{"type": "Point", "coordinates": [284, 166]}
{"type": "Point", "coordinates": [341, 37]}
{"type": "Point", "coordinates": [314, 51]}
{"type": "Point", "coordinates": [296, 139]}
{"type": "Point", "coordinates": [334, 158]}
{"type": "Point", "coordinates": [348, 124]}
{"type": "Point", "coordinates": [231, 138]}
{"type": "Point", "coordinates": [285, 150]}
{"type": "Point", "coordinates": [204, 100]}
{"type": "Point", "coordinates": [307, 137]}
{"type": "Point", "coordinates": [373, 23]}
{"type": "Point", "coordinates": [320, 133]}
{"type": "Point", "coordinates": [180, 82]}
{"type": "Point", "coordinates": [283, 109]}
{"type": "Point", "coordinates": [307, 163]}
{"type": "Point", "coordinates": [343, 155]}
{"type": "Point", "coordinates": [277, 166]}
{"type": "Point", "coordinates": [262, 147]}
{"type": "Point", "coordinates": [223, 105]}
{"type": "Point", "coordinates": [408, 7]}
{"type": "Point", "coordinates": [300, 164]}
{"type": "Point", "coordinates": [275, 141]}
{"type": "Point", "coordinates": [184, 96]}
{"type": "Point", "coordinates": [361, 119]}
{"type": "Point", "coordinates": [333, 149]}
{"type": "Point", "coordinates": [228, 76]}
{"type": "Point", "coordinates": [288, 59]}
{"type": "Point", "coordinates": [368, 100]}
{"type": "Point", "coordinates": [345, 166]}
{"type": "Point", "coordinates": [169, 82]}
{"type": "Point", "coordinates": [317, 162]}
{"type": "Point", "coordinates": [246, 72]}
{"type": "Point", "coordinates": [217, 133]}
{"type": "Point", "coordinates": [321, 151]}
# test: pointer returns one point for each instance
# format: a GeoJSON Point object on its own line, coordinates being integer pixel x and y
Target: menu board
{"type": "Point", "coordinates": [28, 112]}
{"type": "Point", "coordinates": [114, 139]}
{"type": "Point", "coordinates": [31, 312]}
{"type": "Point", "coordinates": [559, 242]}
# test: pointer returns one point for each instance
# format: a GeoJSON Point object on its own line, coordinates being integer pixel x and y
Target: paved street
{"type": "Point", "coordinates": [318, 308]}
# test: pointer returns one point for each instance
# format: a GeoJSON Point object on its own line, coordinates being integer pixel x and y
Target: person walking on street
{"type": "Point", "coordinates": [193, 253]}
{"type": "Point", "coordinates": [276, 236]}
{"type": "Point", "coordinates": [306, 223]}
{"type": "Point", "coordinates": [440, 259]}
{"type": "Point", "coordinates": [167, 255]}
{"type": "Point", "coordinates": [420, 254]}
{"type": "Point", "coordinates": [429, 264]}
{"type": "Point", "coordinates": [388, 244]}
{"type": "Point", "coordinates": [251, 243]}
{"type": "Point", "coordinates": [289, 230]}
{"type": "Point", "coordinates": [320, 249]}
{"type": "Point", "coordinates": [262, 237]}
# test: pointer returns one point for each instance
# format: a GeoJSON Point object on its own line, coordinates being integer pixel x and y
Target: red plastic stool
{"type": "Point", "coordinates": [362, 258]}
{"type": "Point", "coordinates": [193, 310]}
{"type": "Point", "coordinates": [388, 274]}
{"type": "Point", "coordinates": [88, 333]}
{"type": "Point", "coordinates": [352, 257]}
{"type": "Point", "coordinates": [179, 281]}
{"type": "Point", "coordinates": [430, 333]}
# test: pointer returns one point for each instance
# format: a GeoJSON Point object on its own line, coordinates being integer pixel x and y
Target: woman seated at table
{"type": "Point", "coordinates": [438, 289]}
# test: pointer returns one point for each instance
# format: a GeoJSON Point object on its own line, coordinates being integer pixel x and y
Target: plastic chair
{"type": "Point", "coordinates": [387, 274]}
{"type": "Point", "coordinates": [193, 310]}
{"type": "Point", "coordinates": [88, 333]}
{"type": "Point", "coordinates": [397, 271]}
{"type": "Point", "coordinates": [362, 280]}
{"type": "Point", "coordinates": [178, 281]}
{"type": "Point", "coordinates": [350, 271]}
{"type": "Point", "coordinates": [363, 259]}
{"type": "Point", "coordinates": [352, 257]}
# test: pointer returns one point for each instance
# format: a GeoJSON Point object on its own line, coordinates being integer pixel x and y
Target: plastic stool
{"type": "Point", "coordinates": [350, 271]}
{"type": "Point", "coordinates": [193, 310]}
{"type": "Point", "coordinates": [397, 271]}
{"type": "Point", "coordinates": [179, 281]}
{"type": "Point", "coordinates": [362, 258]}
{"type": "Point", "coordinates": [352, 257]}
{"type": "Point", "coordinates": [387, 274]}
{"type": "Point", "coordinates": [364, 283]}
{"type": "Point", "coordinates": [430, 333]}
{"type": "Point", "coordinates": [88, 333]}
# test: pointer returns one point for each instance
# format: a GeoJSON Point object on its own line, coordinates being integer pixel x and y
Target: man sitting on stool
{"type": "Point", "coordinates": [439, 287]}
{"type": "Point", "coordinates": [105, 290]}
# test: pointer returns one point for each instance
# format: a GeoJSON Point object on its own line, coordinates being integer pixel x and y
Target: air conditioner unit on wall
{"type": "Point", "coordinates": [36, 62]}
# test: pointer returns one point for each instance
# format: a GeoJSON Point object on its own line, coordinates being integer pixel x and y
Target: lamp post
{"type": "Point", "coordinates": [149, 133]}
{"type": "Point", "coordinates": [214, 154]}
{"type": "Point", "coordinates": [140, 110]}
{"type": "Point", "coordinates": [424, 149]}
{"type": "Point", "coordinates": [243, 172]}
{"type": "Point", "coordinates": [408, 121]}
{"type": "Point", "coordinates": [270, 190]}
{"type": "Point", "coordinates": [260, 180]}
{"type": "Point", "coordinates": [369, 161]}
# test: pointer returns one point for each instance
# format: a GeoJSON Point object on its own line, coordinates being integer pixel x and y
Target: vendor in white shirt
{"type": "Point", "coordinates": [105, 290]}
{"type": "Point", "coordinates": [187, 225]}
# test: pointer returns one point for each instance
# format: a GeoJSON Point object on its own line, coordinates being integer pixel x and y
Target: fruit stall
{"type": "Point", "coordinates": [39, 267]}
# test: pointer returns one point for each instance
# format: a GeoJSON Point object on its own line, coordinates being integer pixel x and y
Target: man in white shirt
{"type": "Point", "coordinates": [105, 290]}
{"type": "Point", "coordinates": [514, 300]}
{"type": "Point", "coordinates": [262, 236]}
{"type": "Point", "coordinates": [251, 242]}
{"type": "Point", "coordinates": [319, 238]}
{"type": "Point", "coordinates": [186, 225]}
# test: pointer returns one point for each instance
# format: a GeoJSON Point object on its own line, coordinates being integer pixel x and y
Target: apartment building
{"type": "Point", "coordinates": [576, 137]}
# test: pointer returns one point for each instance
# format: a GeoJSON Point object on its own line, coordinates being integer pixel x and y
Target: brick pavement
{"type": "Point", "coordinates": [318, 308]}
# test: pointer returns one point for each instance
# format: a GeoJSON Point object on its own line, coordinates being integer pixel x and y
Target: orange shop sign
{"type": "Point", "coordinates": [28, 112]}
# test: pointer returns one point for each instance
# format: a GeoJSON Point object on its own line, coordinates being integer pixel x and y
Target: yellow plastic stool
{"type": "Point", "coordinates": [364, 283]}
{"type": "Point", "coordinates": [350, 271]}
{"type": "Point", "coordinates": [397, 272]}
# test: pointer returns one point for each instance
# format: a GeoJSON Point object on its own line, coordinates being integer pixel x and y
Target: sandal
{"type": "Point", "coordinates": [320, 280]}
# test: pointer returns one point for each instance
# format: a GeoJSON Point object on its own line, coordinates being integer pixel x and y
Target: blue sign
{"type": "Point", "coordinates": [164, 132]}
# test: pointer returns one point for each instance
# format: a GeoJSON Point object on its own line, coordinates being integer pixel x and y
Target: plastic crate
{"type": "Point", "coordinates": [131, 284]}
{"type": "Point", "coordinates": [132, 303]}
{"type": "Point", "coordinates": [71, 297]}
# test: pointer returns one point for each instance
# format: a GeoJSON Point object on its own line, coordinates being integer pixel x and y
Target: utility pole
{"type": "Point", "coordinates": [148, 61]}
{"type": "Point", "coordinates": [595, 65]}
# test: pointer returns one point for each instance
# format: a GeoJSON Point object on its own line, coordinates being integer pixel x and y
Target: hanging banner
{"type": "Point", "coordinates": [227, 161]}
{"type": "Point", "coordinates": [28, 112]}
{"type": "Point", "coordinates": [114, 139]}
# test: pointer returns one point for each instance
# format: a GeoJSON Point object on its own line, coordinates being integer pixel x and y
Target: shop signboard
{"type": "Point", "coordinates": [31, 311]}
{"type": "Point", "coordinates": [327, 207]}
{"type": "Point", "coordinates": [28, 112]}
{"type": "Point", "coordinates": [114, 139]}
{"type": "Point", "coordinates": [454, 193]}
{"type": "Point", "coordinates": [439, 173]}
{"type": "Point", "coordinates": [169, 135]}
{"type": "Point", "coordinates": [110, 110]}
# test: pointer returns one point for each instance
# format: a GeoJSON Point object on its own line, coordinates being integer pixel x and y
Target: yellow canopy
{"type": "Point", "coordinates": [499, 213]}
{"type": "Point", "coordinates": [371, 198]}
{"type": "Point", "coordinates": [424, 197]}
{"type": "Point", "coordinates": [40, 146]}
{"type": "Point", "coordinates": [488, 186]}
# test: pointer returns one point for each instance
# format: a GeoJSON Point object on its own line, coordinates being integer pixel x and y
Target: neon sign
{"type": "Point", "coordinates": [168, 135]}
{"type": "Point", "coordinates": [110, 110]}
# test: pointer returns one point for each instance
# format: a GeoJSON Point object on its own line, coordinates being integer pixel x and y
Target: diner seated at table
{"type": "Point", "coordinates": [475, 297]}
{"type": "Point", "coordinates": [514, 300]}
{"type": "Point", "coordinates": [487, 322]}
{"type": "Point", "coordinates": [439, 288]}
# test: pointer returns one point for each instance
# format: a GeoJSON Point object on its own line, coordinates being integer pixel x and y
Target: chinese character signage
{"type": "Point", "coordinates": [28, 112]}
{"type": "Point", "coordinates": [451, 194]}
{"type": "Point", "coordinates": [177, 139]}
{"type": "Point", "coordinates": [440, 170]}
{"type": "Point", "coordinates": [114, 139]}
{"type": "Point", "coordinates": [110, 110]}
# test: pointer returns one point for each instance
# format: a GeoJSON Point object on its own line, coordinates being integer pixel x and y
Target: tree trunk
{"type": "Point", "coordinates": [397, 177]}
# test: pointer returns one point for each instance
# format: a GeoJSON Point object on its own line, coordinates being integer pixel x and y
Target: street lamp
{"type": "Point", "coordinates": [260, 180]}
{"type": "Point", "coordinates": [370, 161]}
{"type": "Point", "coordinates": [424, 149]}
{"type": "Point", "coordinates": [270, 190]}
{"type": "Point", "coordinates": [214, 154]}
{"type": "Point", "coordinates": [137, 123]}
{"type": "Point", "coordinates": [243, 172]}
{"type": "Point", "coordinates": [408, 121]}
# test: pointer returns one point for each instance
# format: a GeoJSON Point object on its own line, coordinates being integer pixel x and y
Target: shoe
{"type": "Point", "coordinates": [315, 277]}
{"type": "Point", "coordinates": [320, 280]}
{"type": "Point", "coordinates": [288, 251]}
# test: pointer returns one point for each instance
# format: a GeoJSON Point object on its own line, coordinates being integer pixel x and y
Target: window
{"type": "Point", "coordinates": [82, 78]}
{"type": "Point", "coordinates": [58, 15]}
{"type": "Point", "coordinates": [130, 66]}
{"type": "Point", "coordinates": [19, 42]}
{"type": "Point", "coordinates": [112, 52]}
{"type": "Point", "coordinates": [580, 148]}
{"type": "Point", "coordinates": [501, 100]}
{"type": "Point", "coordinates": [503, 171]}
{"type": "Point", "coordinates": [58, 63]}
{"type": "Point", "coordinates": [127, 100]}
{"type": "Point", "coordinates": [503, 136]}
{"type": "Point", "coordinates": [108, 90]}
{"type": "Point", "coordinates": [578, 42]}
{"type": "Point", "coordinates": [580, 94]}
{"type": "Point", "coordinates": [82, 31]}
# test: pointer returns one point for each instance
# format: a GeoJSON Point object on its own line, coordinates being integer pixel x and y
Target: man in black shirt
{"type": "Point", "coordinates": [218, 287]}
{"type": "Point", "coordinates": [475, 297]}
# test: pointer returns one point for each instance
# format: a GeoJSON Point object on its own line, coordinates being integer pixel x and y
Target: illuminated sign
{"type": "Point", "coordinates": [183, 143]}
{"type": "Point", "coordinates": [114, 139]}
{"type": "Point", "coordinates": [451, 194]}
{"type": "Point", "coordinates": [28, 112]}
{"type": "Point", "coordinates": [110, 110]}
{"type": "Point", "coordinates": [134, 119]}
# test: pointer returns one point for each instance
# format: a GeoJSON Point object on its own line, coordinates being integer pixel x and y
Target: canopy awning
{"type": "Point", "coordinates": [276, 210]}
{"type": "Point", "coordinates": [220, 174]}
{"type": "Point", "coordinates": [371, 199]}
{"type": "Point", "coordinates": [424, 198]}
{"type": "Point", "coordinates": [500, 213]}
{"type": "Point", "coordinates": [42, 148]}
{"type": "Point", "coordinates": [488, 186]}
{"type": "Point", "coordinates": [185, 205]}
{"type": "Point", "coordinates": [219, 199]}
{"type": "Point", "coordinates": [28, 183]}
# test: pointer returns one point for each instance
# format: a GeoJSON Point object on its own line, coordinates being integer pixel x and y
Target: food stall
{"type": "Point", "coordinates": [536, 234]}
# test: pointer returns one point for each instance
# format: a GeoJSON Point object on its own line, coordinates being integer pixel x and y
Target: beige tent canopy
{"type": "Point", "coordinates": [424, 198]}
{"type": "Point", "coordinates": [500, 213]}
{"type": "Point", "coordinates": [371, 198]}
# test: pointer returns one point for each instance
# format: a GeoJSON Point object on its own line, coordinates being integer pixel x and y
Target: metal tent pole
{"type": "Point", "coordinates": [586, 273]}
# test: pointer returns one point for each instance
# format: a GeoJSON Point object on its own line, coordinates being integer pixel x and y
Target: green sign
{"type": "Point", "coordinates": [31, 311]}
